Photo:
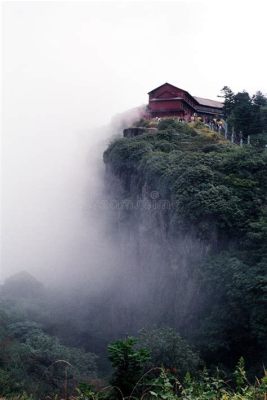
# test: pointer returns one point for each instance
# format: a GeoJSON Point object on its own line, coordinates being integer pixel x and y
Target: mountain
{"type": "Point", "coordinates": [192, 208]}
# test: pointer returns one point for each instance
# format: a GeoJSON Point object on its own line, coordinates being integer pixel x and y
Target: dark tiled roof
{"type": "Point", "coordinates": [208, 102]}
{"type": "Point", "coordinates": [200, 100]}
{"type": "Point", "coordinates": [166, 83]}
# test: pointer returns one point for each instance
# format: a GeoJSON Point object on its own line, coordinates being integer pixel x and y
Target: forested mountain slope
{"type": "Point", "coordinates": [198, 206]}
{"type": "Point", "coordinates": [186, 211]}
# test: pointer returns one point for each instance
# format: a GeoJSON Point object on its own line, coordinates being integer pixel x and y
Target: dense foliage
{"type": "Point", "coordinates": [195, 208]}
{"type": "Point", "coordinates": [170, 350]}
{"type": "Point", "coordinates": [128, 363]}
{"type": "Point", "coordinates": [216, 193]}
{"type": "Point", "coordinates": [246, 114]}
{"type": "Point", "coordinates": [32, 361]}
{"type": "Point", "coordinates": [167, 383]}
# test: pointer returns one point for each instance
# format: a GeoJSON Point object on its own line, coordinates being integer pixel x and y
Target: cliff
{"type": "Point", "coordinates": [192, 208]}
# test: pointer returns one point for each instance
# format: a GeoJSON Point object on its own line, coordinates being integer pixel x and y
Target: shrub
{"type": "Point", "coordinates": [170, 350]}
{"type": "Point", "coordinates": [128, 362]}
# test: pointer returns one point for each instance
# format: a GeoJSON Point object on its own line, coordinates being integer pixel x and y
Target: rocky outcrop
{"type": "Point", "coordinates": [137, 131]}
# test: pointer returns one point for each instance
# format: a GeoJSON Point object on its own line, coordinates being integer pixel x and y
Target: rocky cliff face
{"type": "Point", "coordinates": [137, 131]}
{"type": "Point", "coordinates": [158, 283]}
{"type": "Point", "coordinates": [185, 216]}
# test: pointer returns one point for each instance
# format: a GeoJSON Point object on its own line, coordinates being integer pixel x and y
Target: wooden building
{"type": "Point", "coordinates": [170, 101]}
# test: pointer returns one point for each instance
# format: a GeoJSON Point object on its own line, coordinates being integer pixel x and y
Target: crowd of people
{"type": "Point", "coordinates": [215, 124]}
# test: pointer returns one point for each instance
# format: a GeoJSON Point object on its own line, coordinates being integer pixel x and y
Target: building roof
{"type": "Point", "coordinates": [208, 102]}
{"type": "Point", "coordinates": [175, 87]}
{"type": "Point", "coordinates": [166, 83]}
{"type": "Point", "coordinates": [200, 100]}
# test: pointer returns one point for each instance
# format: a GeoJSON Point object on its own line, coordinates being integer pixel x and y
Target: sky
{"type": "Point", "coordinates": [68, 68]}
{"type": "Point", "coordinates": [94, 59]}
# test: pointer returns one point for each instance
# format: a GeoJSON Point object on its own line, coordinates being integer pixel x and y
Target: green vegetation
{"type": "Point", "coordinates": [32, 361]}
{"type": "Point", "coordinates": [196, 303]}
{"type": "Point", "coordinates": [168, 349]}
{"type": "Point", "coordinates": [216, 194]}
{"type": "Point", "coordinates": [135, 378]}
{"type": "Point", "coordinates": [160, 383]}
{"type": "Point", "coordinates": [128, 363]}
{"type": "Point", "coordinates": [246, 114]}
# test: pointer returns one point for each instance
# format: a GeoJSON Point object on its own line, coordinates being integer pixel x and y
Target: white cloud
{"type": "Point", "coordinates": [70, 66]}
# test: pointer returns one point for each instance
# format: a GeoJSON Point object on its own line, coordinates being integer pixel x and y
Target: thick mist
{"type": "Point", "coordinates": [103, 262]}
{"type": "Point", "coordinates": [56, 125]}
{"type": "Point", "coordinates": [56, 219]}
{"type": "Point", "coordinates": [68, 68]}
{"type": "Point", "coordinates": [51, 175]}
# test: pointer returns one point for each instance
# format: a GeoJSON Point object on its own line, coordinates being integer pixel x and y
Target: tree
{"type": "Point", "coordinates": [229, 101]}
{"type": "Point", "coordinates": [258, 99]}
{"type": "Point", "coordinates": [32, 361]}
{"type": "Point", "coordinates": [128, 362]}
{"type": "Point", "coordinates": [242, 115]}
{"type": "Point", "coordinates": [170, 350]}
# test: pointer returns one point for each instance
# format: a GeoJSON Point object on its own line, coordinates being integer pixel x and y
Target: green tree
{"type": "Point", "coordinates": [258, 99]}
{"type": "Point", "coordinates": [242, 115]}
{"type": "Point", "coordinates": [37, 363]}
{"type": "Point", "coordinates": [229, 100]}
{"type": "Point", "coordinates": [128, 362]}
{"type": "Point", "coordinates": [170, 350]}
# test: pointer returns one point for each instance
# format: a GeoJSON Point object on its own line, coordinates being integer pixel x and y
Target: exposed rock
{"type": "Point", "coordinates": [137, 131]}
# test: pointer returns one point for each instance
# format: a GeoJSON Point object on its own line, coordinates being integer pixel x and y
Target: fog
{"type": "Point", "coordinates": [68, 68]}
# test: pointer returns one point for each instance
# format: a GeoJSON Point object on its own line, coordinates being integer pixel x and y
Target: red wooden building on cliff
{"type": "Point", "coordinates": [170, 101]}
